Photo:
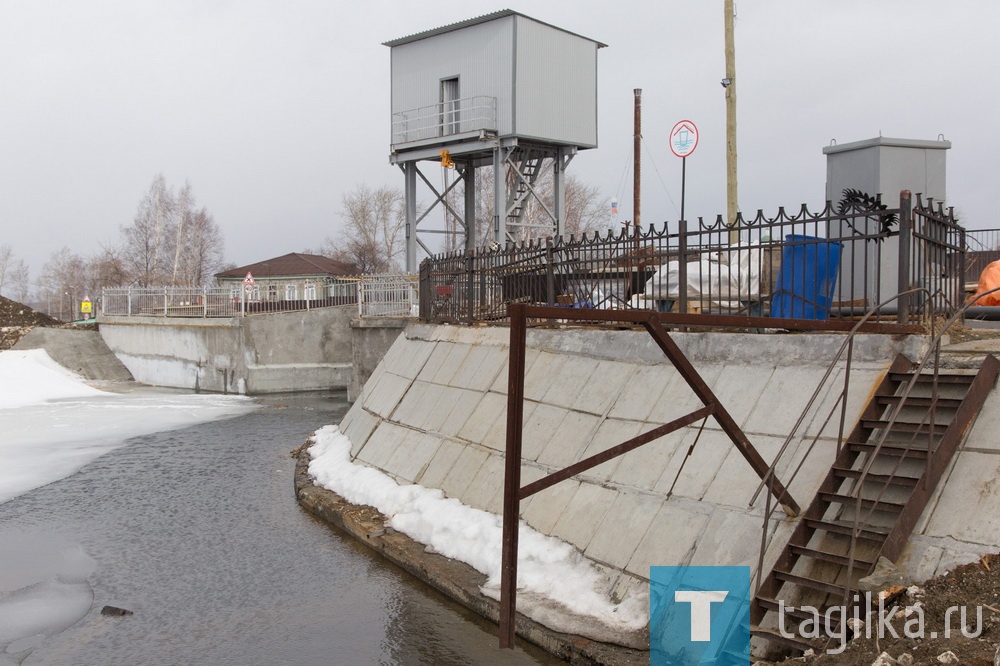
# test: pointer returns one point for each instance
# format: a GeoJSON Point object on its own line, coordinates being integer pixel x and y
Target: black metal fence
{"type": "Point", "coordinates": [982, 247]}
{"type": "Point", "coordinates": [834, 264]}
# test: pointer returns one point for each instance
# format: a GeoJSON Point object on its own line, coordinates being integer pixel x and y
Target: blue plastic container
{"type": "Point", "coordinates": [807, 278]}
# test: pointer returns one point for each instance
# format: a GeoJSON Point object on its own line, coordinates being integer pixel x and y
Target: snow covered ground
{"type": "Point", "coordinates": [557, 585]}
{"type": "Point", "coordinates": [52, 423]}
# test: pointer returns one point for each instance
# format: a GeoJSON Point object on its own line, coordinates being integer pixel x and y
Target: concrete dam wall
{"type": "Point", "coordinates": [310, 350]}
{"type": "Point", "coordinates": [434, 413]}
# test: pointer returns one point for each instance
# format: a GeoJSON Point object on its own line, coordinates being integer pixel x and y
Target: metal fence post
{"type": "Point", "coordinates": [905, 231]}
{"type": "Point", "coordinates": [128, 295]}
{"type": "Point", "coordinates": [424, 297]}
{"type": "Point", "coordinates": [550, 278]}
{"type": "Point", "coordinates": [166, 302]}
{"type": "Point", "coordinates": [682, 274]}
{"type": "Point", "coordinates": [470, 289]}
{"type": "Point", "coordinates": [361, 298]}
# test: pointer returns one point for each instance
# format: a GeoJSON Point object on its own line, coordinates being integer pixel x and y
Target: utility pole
{"type": "Point", "coordinates": [636, 154]}
{"type": "Point", "coordinates": [729, 83]}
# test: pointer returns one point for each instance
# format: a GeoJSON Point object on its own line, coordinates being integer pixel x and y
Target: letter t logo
{"type": "Point", "coordinates": [701, 610]}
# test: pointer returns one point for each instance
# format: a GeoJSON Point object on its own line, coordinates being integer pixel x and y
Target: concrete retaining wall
{"type": "Point", "coordinates": [434, 413]}
{"type": "Point", "coordinates": [293, 351]}
{"type": "Point", "coordinates": [370, 340]}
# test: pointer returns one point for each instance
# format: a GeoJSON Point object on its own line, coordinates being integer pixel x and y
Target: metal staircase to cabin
{"type": "Point", "coordinates": [528, 167]}
{"type": "Point", "coordinates": [873, 495]}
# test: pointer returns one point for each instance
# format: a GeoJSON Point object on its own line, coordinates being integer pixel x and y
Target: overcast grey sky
{"type": "Point", "coordinates": [273, 110]}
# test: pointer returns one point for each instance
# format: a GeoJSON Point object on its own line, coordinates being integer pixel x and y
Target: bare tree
{"type": "Point", "coordinates": [143, 248]}
{"type": "Point", "coordinates": [202, 249]}
{"type": "Point", "coordinates": [6, 258]}
{"type": "Point", "coordinates": [170, 242]}
{"type": "Point", "coordinates": [62, 283]}
{"type": "Point", "coordinates": [373, 224]}
{"type": "Point", "coordinates": [19, 280]}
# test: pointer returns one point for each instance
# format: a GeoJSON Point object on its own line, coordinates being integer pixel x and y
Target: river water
{"type": "Point", "coordinates": [198, 533]}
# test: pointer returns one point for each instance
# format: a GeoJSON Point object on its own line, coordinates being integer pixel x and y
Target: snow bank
{"type": "Point", "coordinates": [52, 423]}
{"type": "Point", "coordinates": [31, 377]}
{"type": "Point", "coordinates": [557, 585]}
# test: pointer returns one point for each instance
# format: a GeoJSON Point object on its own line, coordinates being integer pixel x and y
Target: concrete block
{"type": "Point", "coordinates": [969, 507]}
{"type": "Point", "coordinates": [414, 404]}
{"type": "Point", "coordinates": [345, 422]}
{"type": "Point", "coordinates": [491, 408]}
{"type": "Point", "coordinates": [698, 471]}
{"type": "Point", "coordinates": [572, 439]}
{"type": "Point", "coordinates": [382, 443]}
{"type": "Point", "coordinates": [641, 391]}
{"type": "Point", "coordinates": [411, 457]}
{"type": "Point", "coordinates": [583, 514]}
{"type": "Point", "coordinates": [485, 485]}
{"type": "Point", "coordinates": [920, 559]}
{"type": "Point", "coordinates": [457, 481]}
{"type": "Point", "coordinates": [543, 373]}
{"type": "Point", "coordinates": [641, 468]}
{"type": "Point", "coordinates": [541, 426]}
{"type": "Point", "coordinates": [465, 404]}
{"type": "Point", "coordinates": [546, 507]}
{"type": "Point", "coordinates": [452, 363]}
{"type": "Point", "coordinates": [611, 432]}
{"type": "Point", "coordinates": [496, 437]}
{"type": "Point", "coordinates": [623, 528]}
{"type": "Point", "coordinates": [438, 403]}
{"type": "Point", "coordinates": [441, 463]}
{"type": "Point", "coordinates": [670, 539]}
{"type": "Point", "coordinates": [567, 384]}
{"type": "Point", "coordinates": [372, 380]}
{"type": "Point", "coordinates": [679, 399]}
{"type": "Point", "coordinates": [499, 385]}
{"type": "Point", "coordinates": [480, 368]}
{"type": "Point", "coordinates": [360, 429]}
{"type": "Point", "coordinates": [607, 382]}
{"type": "Point", "coordinates": [736, 481]}
{"type": "Point", "coordinates": [731, 538]}
{"type": "Point", "coordinates": [434, 361]}
{"type": "Point", "coordinates": [785, 395]}
{"type": "Point", "coordinates": [984, 431]}
{"type": "Point", "coordinates": [386, 394]}
{"type": "Point", "coordinates": [738, 388]}
{"type": "Point", "coordinates": [409, 356]}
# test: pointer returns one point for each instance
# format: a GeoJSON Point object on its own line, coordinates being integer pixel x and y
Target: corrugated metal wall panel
{"type": "Point", "coordinates": [556, 85]}
{"type": "Point", "coordinates": [481, 56]}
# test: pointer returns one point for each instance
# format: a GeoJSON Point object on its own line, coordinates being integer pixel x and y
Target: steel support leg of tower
{"type": "Point", "coordinates": [410, 195]}
{"type": "Point", "coordinates": [469, 178]}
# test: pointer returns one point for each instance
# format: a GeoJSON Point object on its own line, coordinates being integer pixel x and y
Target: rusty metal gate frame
{"type": "Point", "coordinates": [514, 492]}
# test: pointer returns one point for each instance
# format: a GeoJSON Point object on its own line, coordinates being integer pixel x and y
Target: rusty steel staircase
{"type": "Point", "coordinates": [873, 495]}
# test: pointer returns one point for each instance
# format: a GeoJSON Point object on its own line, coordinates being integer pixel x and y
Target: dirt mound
{"type": "Point", "coordinates": [16, 319]}
{"type": "Point", "coordinates": [940, 600]}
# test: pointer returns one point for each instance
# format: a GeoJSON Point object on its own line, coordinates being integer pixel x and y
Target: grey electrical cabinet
{"type": "Point", "coordinates": [883, 166]}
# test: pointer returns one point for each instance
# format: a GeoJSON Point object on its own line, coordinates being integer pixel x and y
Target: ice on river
{"type": "Point", "coordinates": [52, 423]}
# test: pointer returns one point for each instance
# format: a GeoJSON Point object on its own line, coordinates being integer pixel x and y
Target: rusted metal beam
{"type": "Point", "coordinates": [722, 416]}
{"type": "Point", "coordinates": [615, 451]}
{"type": "Point", "coordinates": [639, 317]}
{"type": "Point", "coordinates": [512, 475]}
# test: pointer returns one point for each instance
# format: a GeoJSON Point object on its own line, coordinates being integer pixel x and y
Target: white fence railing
{"type": "Point", "coordinates": [469, 114]}
{"type": "Point", "coordinates": [373, 295]}
{"type": "Point", "coordinates": [389, 296]}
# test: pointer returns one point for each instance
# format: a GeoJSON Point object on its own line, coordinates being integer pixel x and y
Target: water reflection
{"type": "Point", "coordinates": [197, 532]}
